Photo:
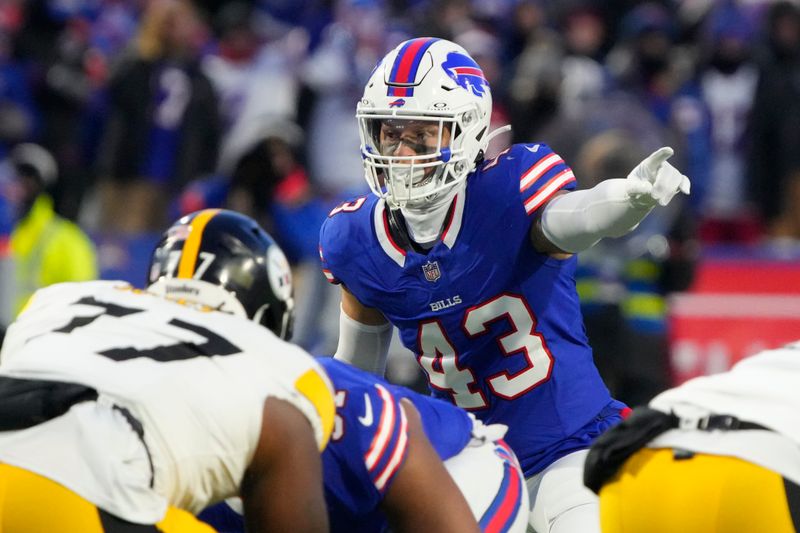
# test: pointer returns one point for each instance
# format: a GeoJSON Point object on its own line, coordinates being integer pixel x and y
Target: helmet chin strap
{"type": "Point", "coordinates": [498, 131]}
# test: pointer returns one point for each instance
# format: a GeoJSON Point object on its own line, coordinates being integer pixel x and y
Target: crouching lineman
{"type": "Point", "coordinates": [129, 410]}
{"type": "Point", "coordinates": [410, 462]}
{"type": "Point", "coordinates": [719, 453]}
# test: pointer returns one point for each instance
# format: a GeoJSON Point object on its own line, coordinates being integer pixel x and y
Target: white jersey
{"type": "Point", "coordinates": [764, 389]}
{"type": "Point", "coordinates": [195, 379]}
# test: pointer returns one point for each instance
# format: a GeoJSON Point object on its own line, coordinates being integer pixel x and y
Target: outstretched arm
{"type": "Point", "coordinates": [282, 488]}
{"type": "Point", "coordinates": [364, 335]}
{"type": "Point", "coordinates": [575, 221]}
{"type": "Point", "coordinates": [423, 495]}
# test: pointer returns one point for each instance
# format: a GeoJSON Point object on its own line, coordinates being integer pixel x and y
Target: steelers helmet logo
{"type": "Point", "coordinates": [280, 274]}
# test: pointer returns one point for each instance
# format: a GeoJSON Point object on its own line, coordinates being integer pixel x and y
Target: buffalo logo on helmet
{"type": "Point", "coordinates": [397, 103]}
{"type": "Point", "coordinates": [463, 70]}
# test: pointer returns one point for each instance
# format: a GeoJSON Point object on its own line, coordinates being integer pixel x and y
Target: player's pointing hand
{"type": "Point", "coordinates": [655, 181]}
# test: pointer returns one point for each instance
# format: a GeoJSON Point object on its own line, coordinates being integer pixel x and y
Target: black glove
{"type": "Point", "coordinates": [611, 449]}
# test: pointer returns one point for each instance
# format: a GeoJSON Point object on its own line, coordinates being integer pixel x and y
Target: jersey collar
{"type": "Point", "coordinates": [452, 228]}
{"type": "Point", "coordinates": [380, 221]}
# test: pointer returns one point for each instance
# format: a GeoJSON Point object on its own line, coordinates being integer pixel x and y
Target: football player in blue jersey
{"type": "Point", "coordinates": [473, 260]}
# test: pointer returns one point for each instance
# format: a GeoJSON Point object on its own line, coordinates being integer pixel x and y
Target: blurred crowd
{"type": "Point", "coordinates": [154, 108]}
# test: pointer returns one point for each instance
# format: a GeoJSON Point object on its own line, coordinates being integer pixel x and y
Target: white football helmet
{"type": "Point", "coordinates": [434, 85]}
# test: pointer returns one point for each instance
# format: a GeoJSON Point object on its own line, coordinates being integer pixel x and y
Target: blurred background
{"type": "Point", "coordinates": [118, 116]}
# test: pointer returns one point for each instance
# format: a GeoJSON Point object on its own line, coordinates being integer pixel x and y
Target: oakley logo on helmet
{"type": "Point", "coordinates": [397, 103]}
{"type": "Point", "coordinates": [466, 73]}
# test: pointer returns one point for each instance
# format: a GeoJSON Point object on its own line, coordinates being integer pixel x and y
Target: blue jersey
{"type": "Point", "coordinates": [495, 325]}
{"type": "Point", "coordinates": [369, 443]}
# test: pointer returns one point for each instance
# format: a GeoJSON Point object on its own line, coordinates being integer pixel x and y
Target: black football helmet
{"type": "Point", "coordinates": [226, 261]}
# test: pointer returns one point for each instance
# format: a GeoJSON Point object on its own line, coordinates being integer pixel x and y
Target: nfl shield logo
{"type": "Point", "coordinates": [431, 270]}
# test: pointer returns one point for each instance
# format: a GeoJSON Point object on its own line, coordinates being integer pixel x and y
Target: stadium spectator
{"type": "Point", "coordinates": [20, 118]}
{"type": "Point", "coordinates": [185, 397]}
{"type": "Point", "coordinates": [251, 61]}
{"type": "Point", "coordinates": [584, 76]}
{"type": "Point", "coordinates": [648, 64]}
{"type": "Point", "coordinates": [45, 247]}
{"type": "Point", "coordinates": [534, 72]}
{"type": "Point", "coordinates": [718, 453]}
{"type": "Point", "coordinates": [727, 79]}
{"type": "Point", "coordinates": [71, 78]}
{"type": "Point", "coordinates": [774, 160]}
{"type": "Point", "coordinates": [162, 128]}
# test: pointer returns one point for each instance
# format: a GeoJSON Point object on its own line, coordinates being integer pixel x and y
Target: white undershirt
{"type": "Point", "coordinates": [425, 223]}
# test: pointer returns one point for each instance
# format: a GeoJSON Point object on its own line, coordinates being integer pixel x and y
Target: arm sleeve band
{"type": "Point", "coordinates": [362, 345]}
{"type": "Point", "coordinates": [577, 220]}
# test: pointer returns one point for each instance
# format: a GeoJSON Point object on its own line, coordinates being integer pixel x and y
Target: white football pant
{"type": "Point", "coordinates": [488, 474]}
{"type": "Point", "coordinates": [560, 503]}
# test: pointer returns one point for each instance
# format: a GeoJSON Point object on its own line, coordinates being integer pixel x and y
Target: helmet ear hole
{"type": "Point", "coordinates": [468, 118]}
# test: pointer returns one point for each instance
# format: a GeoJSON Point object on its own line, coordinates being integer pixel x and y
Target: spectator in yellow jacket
{"type": "Point", "coordinates": [45, 247]}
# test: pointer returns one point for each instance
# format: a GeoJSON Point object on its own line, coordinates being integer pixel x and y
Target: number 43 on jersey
{"type": "Point", "coordinates": [440, 360]}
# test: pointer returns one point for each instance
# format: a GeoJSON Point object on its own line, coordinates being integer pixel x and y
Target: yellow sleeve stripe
{"type": "Point", "coordinates": [316, 390]}
{"type": "Point", "coordinates": [192, 245]}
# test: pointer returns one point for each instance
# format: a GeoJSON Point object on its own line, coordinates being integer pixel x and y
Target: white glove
{"type": "Point", "coordinates": [655, 181]}
{"type": "Point", "coordinates": [490, 432]}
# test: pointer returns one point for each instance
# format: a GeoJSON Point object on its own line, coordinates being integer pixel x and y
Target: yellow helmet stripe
{"type": "Point", "coordinates": [191, 246]}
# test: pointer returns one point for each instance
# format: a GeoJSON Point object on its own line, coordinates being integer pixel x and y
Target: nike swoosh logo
{"type": "Point", "coordinates": [367, 418]}
{"type": "Point", "coordinates": [532, 149]}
